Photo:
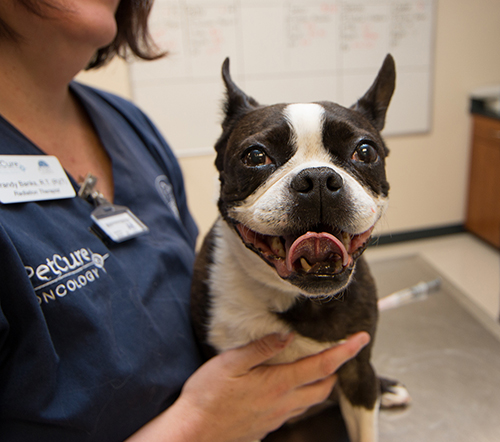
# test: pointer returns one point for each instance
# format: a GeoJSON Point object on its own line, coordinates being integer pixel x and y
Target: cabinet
{"type": "Point", "coordinates": [483, 208]}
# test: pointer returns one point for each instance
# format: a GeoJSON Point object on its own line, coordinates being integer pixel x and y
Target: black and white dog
{"type": "Point", "coordinates": [302, 187]}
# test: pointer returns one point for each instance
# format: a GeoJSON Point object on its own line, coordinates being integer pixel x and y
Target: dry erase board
{"type": "Point", "coordinates": [282, 51]}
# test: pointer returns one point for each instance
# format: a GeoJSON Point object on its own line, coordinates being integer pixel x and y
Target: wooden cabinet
{"type": "Point", "coordinates": [483, 210]}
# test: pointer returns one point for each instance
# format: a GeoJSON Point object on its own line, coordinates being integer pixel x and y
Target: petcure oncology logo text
{"type": "Point", "coordinates": [60, 275]}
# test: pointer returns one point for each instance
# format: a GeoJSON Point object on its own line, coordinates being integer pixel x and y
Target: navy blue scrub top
{"type": "Point", "coordinates": [95, 338]}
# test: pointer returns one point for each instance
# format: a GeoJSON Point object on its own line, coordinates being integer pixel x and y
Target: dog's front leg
{"type": "Point", "coordinates": [361, 422]}
{"type": "Point", "coordinates": [359, 399]}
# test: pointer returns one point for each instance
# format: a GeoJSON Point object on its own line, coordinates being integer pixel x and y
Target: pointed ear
{"type": "Point", "coordinates": [236, 105]}
{"type": "Point", "coordinates": [237, 102]}
{"type": "Point", "coordinates": [373, 105]}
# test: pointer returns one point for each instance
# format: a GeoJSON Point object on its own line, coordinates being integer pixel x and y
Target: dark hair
{"type": "Point", "coordinates": [132, 34]}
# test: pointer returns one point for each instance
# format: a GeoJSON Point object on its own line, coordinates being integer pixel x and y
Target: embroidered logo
{"type": "Point", "coordinates": [61, 275]}
{"type": "Point", "coordinates": [166, 192]}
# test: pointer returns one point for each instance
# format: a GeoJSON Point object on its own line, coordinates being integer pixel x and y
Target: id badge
{"type": "Point", "coordinates": [118, 223]}
{"type": "Point", "coordinates": [114, 222]}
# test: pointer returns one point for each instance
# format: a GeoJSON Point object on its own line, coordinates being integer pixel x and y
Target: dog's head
{"type": "Point", "coordinates": [304, 184]}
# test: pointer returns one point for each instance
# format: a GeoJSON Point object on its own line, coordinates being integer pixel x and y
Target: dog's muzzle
{"type": "Point", "coordinates": [323, 253]}
{"type": "Point", "coordinates": [313, 247]}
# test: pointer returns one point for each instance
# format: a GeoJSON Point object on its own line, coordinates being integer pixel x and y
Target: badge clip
{"type": "Point", "coordinates": [116, 223]}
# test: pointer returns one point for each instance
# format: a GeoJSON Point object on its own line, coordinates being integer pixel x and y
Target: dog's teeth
{"type": "Point", "coordinates": [338, 265]}
{"type": "Point", "coordinates": [346, 239]}
{"type": "Point", "coordinates": [305, 265]}
{"type": "Point", "coordinates": [277, 247]}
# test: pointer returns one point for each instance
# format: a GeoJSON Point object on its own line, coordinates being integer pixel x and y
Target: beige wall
{"type": "Point", "coordinates": [428, 173]}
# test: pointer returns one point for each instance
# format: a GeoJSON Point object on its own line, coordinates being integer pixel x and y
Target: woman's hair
{"type": "Point", "coordinates": [132, 34]}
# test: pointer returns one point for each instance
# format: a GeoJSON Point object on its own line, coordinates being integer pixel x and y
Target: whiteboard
{"type": "Point", "coordinates": [282, 51]}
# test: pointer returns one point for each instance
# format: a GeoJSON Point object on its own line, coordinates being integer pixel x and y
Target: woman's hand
{"type": "Point", "coordinates": [235, 398]}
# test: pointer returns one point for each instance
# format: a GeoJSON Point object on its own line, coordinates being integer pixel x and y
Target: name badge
{"type": "Point", "coordinates": [25, 178]}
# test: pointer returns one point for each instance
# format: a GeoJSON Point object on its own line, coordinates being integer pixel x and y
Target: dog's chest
{"type": "Point", "coordinates": [230, 329]}
{"type": "Point", "coordinates": [245, 300]}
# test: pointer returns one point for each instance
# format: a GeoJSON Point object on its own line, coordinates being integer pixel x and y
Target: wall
{"type": "Point", "coordinates": [428, 173]}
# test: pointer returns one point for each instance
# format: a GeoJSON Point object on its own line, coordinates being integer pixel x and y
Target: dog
{"type": "Point", "coordinates": [302, 186]}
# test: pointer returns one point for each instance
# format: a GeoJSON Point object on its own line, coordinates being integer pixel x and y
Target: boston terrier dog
{"type": "Point", "coordinates": [301, 188]}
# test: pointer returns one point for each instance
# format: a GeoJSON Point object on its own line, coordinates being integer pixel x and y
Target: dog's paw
{"type": "Point", "coordinates": [394, 394]}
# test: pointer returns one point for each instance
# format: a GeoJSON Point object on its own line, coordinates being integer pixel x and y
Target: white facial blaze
{"type": "Point", "coordinates": [268, 208]}
{"type": "Point", "coordinates": [306, 121]}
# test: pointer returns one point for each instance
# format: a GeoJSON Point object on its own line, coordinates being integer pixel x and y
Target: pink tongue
{"type": "Point", "coordinates": [315, 247]}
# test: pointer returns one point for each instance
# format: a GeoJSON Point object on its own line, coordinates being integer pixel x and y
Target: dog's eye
{"type": "Point", "coordinates": [255, 157]}
{"type": "Point", "coordinates": [365, 153]}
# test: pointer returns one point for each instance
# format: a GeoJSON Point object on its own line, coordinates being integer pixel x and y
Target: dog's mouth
{"type": "Point", "coordinates": [322, 252]}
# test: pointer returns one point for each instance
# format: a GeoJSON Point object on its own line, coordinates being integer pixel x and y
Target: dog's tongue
{"type": "Point", "coordinates": [315, 248]}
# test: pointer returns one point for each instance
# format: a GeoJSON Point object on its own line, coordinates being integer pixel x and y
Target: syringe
{"type": "Point", "coordinates": [417, 292]}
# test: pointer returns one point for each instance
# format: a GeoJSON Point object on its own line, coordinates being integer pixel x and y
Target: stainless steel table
{"type": "Point", "coordinates": [447, 352]}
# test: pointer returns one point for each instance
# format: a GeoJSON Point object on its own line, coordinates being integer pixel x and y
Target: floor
{"type": "Point", "coordinates": [466, 261]}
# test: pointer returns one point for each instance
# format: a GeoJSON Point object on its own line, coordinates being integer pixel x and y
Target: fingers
{"type": "Point", "coordinates": [332, 359]}
{"type": "Point", "coordinates": [322, 365]}
{"type": "Point", "coordinates": [312, 379]}
{"type": "Point", "coordinates": [308, 370]}
{"type": "Point", "coordinates": [315, 393]}
{"type": "Point", "coordinates": [241, 360]}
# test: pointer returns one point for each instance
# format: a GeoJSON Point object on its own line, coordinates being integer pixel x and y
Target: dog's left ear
{"type": "Point", "coordinates": [373, 105]}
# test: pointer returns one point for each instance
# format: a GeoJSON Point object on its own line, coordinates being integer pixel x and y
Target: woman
{"type": "Point", "coordinates": [95, 340]}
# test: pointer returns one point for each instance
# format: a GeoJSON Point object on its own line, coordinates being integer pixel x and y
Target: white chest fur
{"type": "Point", "coordinates": [245, 294]}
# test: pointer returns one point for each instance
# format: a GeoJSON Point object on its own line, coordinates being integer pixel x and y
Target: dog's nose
{"type": "Point", "coordinates": [320, 181]}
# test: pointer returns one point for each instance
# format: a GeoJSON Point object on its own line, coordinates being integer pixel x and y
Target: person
{"type": "Point", "coordinates": [95, 337]}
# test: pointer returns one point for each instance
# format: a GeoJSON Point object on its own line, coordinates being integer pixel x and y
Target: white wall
{"type": "Point", "coordinates": [428, 173]}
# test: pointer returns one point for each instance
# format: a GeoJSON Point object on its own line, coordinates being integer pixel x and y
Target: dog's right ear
{"type": "Point", "coordinates": [237, 102]}
{"type": "Point", "coordinates": [236, 105]}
